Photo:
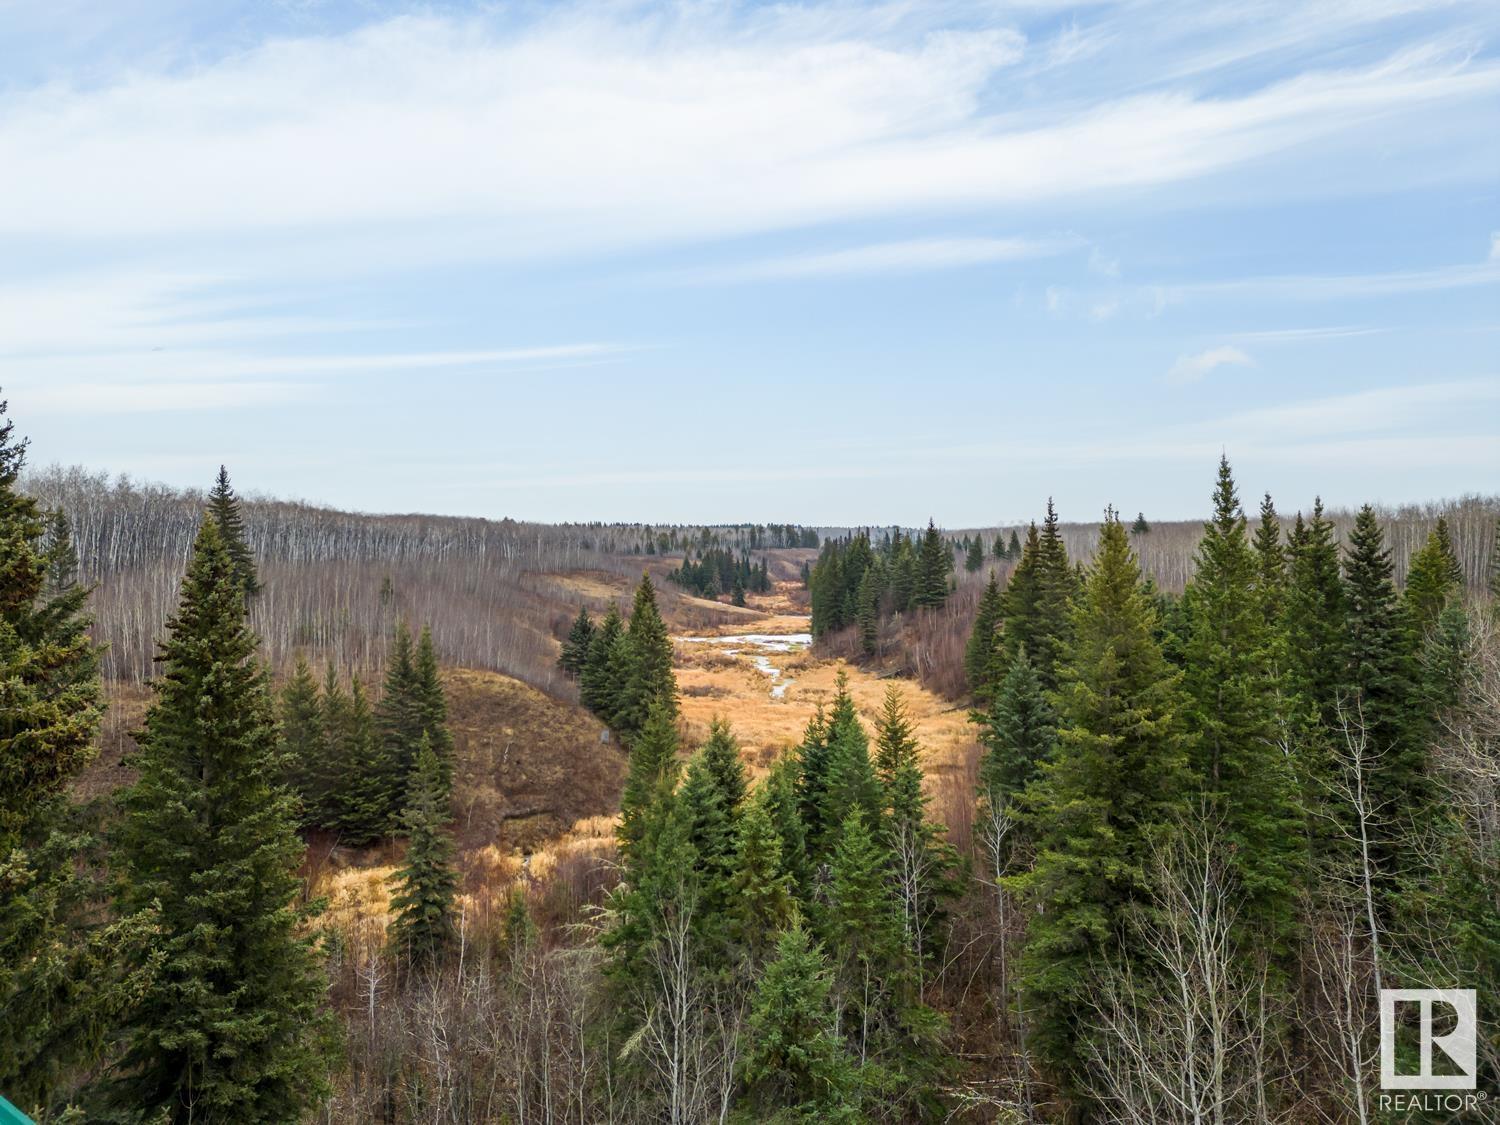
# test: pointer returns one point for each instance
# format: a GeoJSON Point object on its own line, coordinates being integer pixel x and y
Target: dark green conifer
{"type": "Point", "coordinates": [933, 563]}
{"type": "Point", "coordinates": [1116, 784]}
{"type": "Point", "coordinates": [784, 805]}
{"type": "Point", "coordinates": [232, 1027]}
{"type": "Point", "coordinates": [648, 675]}
{"type": "Point", "coordinates": [1056, 585]}
{"type": "Point", "coordinates": [426, 883]}
{"type": "Point", "coordinates": [575, 649]}
{"type": "Point", "coordinates": [974, 559]}
{"type": "Point", "coordinates": [1434, 577]}
{"type": "Point", "coordinates": [1140, 527]}
{"type": "Point", "coordinates": [797, 1066]}
{"type": "Point", "coordinates": [1018, 731]}
{"type": "Point", "coordinates": [1233, 697]}
{"type": "Point", "coordinates": [1270, 562]}
{"type": "Point", "coordinates": [431, 705]}
{"type": "Point", "coordinates": [304, 747]}
{"type": "Point", "coordinates": [761, 899]}
{"type": "Point", "coordinates": [851, 779]}
{"type": "Point", "coordinates": [399, 719]}
{"type": "Point", "coordinates": [1315, 614]}
{"type": "Point", "coordinates": [362, 796]}
{"type": "Point", "coordinates": [980, 651]}
{"type": "Point", "coordinates": [1379, 686]}
{"type": "Point", "coordinates": [653, 771]}
{"type": "Point", "coordinates": [597, 689]}
{"type": "Point", "coordinates": [63, 983]}
{"type": "Point", "coordinates": [224, 506]}
{"type": "Point", "coordinates": [1013, 548]}
{"type": "Point", "coordinates": [869, 612]}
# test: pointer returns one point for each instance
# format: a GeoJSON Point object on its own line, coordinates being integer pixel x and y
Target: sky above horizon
{"type": "Point", "coordinates": [847, 263]}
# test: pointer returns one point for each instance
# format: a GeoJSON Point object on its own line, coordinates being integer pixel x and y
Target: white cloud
{"type": "Point", "coordinates": [1495, 246]}
{"type": "Point", "coordinates": [914, 255]}
{"type": "Point", "coordinates": [153, 398]}
{"type": "Point", "coordinates": [1191, 368]}
{"type": "Point", "coordinates": [590, 129]}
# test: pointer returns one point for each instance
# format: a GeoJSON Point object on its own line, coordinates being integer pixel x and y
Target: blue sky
{"type": "Point", "coordinates": [716, 262]}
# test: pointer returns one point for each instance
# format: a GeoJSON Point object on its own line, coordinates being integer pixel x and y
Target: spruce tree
{"type": "Point", "coordinates": [1115, 786]}
{"type": "Point", "coordinates": [224, 506]}
{"type": "Point", "coordinates": [1140, 527]}
{"type": "Point", "coordinates": [933, 563]}
{"type": "Point", "coordinates": [851, 782]}
{"type": "Point", "coordinates": [869, 612]}
{"type": "Point", "coordinates": [1232, 688]}
{"type": "Point", "coordinates": [784, 805]}
{"type": "Point", "coordinates": [232, 1027]}
{"type": "Point", "coordinates": [979, 653]}
{"type": "Point", "coordinates": [431, 706]}
{"type": "Point", "coordinates": [1434, 577]}
{"type": "Point", "coordinates": [575, 650]}
{"type": "Point", "coordinates": [400, 719]}
{"type": "Point", "coordinates": [1379, 686]}
{"type": "Point", "coordinates": [761, 898]}
{"type": "Point", "coordinates": [923, 864]}
{"type": "Point", "coordinates": [1270, 563]}
{"type": "Point", "coordinates": [596, 687]}
{"type": "Point", "coordinates": [974, 559]}
{"type": "Point", "coordinates": [652, 771]}
{"type": "Point", "coordinates": [423, 926]}
{"type": "Point", "coordinates": [1019, 600]}
{"type": "Point", "coordinates": [797, 1066]}
{"type": "Point", "coordinates": [1018, 731]}
{"type": "Point", "coordinates": [361, 799]}
{"type": "Point", "coordinates": [62, 986]}
{"type": "Point", "coordinates": [1056, 585]}
{"type": "Point", "coordinates": [648, 676]}
{"type": "Point", "coordinates": [1013, 548]}
{"type": "Point", "coordinates": [1315, 614]}
{"type": "Point", "coordinates": [304, 747]}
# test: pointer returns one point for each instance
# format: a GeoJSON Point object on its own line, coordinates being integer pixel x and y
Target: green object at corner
{"type": "Point", "coordinates": [10, 1115]}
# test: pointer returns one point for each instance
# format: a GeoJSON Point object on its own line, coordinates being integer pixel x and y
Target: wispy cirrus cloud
{"type": "Point", "coordinates": [1192, 368]}
{"type": "Point", "coordinates": [911, 256]}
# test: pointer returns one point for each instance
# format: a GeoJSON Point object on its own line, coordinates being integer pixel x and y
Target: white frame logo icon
{"type": "Point", "coordinates": [1459, 1044]}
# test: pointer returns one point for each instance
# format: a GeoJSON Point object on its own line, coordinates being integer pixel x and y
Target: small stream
{"type": "Point", "coordinates": [759, 647]}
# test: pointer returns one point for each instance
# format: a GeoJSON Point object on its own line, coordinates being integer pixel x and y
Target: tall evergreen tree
{"type": "Point", "coordinates": [653, 771]}
{"type": "Point", "coordinates": [1013, 548]}
{"type": "Point", "coordinates": [1379, 686]}
{"type": "Point", "coordinates": [1233, 703]}
{"type": "Point", "coordinates": [361, 798]}
{"type": "Point", "coordinates": [598, 686]}
{"type": "Point", "coordinates": [1315, 614]}
{"type": "Point", "coordinates": [648, 677]}
{"type": "Point", "coordinates": [304, 746]}
{"type": "Point", "coordinates": [797, 1066]}
{"type": "Point", "coordinates": [1270, 562]}
{"type": "Point", "coordinates": [1019, 600]}
{"type": "Point", "coordinates": [922, 862]}
{"type": "Point", "coordinates": [1434, 577]}
{"type": "Point", "coordinates": [869, 612]}
{"type": "Point", "coordinates": [979, 653]}
{"type": "Point", "coordinates": [400, 720]}
{"type": "Point", "coordinates": [575, 650]}
{"type": "Point", "coordinates": [431, 706]}
{"type": "Point", "coordinates": [61, 987]}
{"type": "Point", "coordinates": [761, 899]}
{"type": "Point", "coordinates": [224, 506]}
{"type": "Point", "coordinates": [426, 883]}
{"type": "Point", "coordinates": [1056, 585]}
{"type": "Point", "coordinates": [974, 559]}
{"type": "Point", "coordinates": [933, 563]}
{"type": "Point", "coordinates": [784, 806]}
{"type": "Point", "coordinates": [1018, 731]}
{"type": "Point", "coordinates": [851, 782]}
{"type": "Point", "coordinates": [231, 1029]}
{"type": "Point", "coordinates": [1115, 786]}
